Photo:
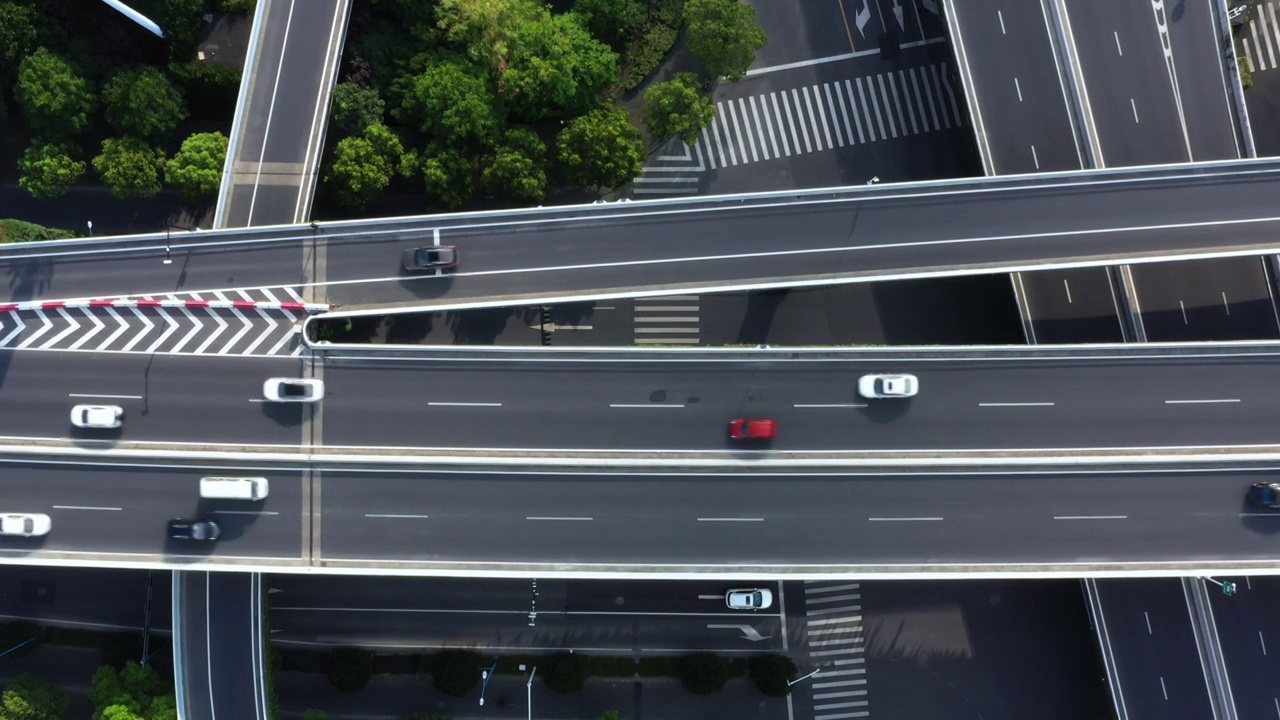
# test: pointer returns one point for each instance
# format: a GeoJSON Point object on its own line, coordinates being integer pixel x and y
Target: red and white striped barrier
{"type": "Point", "coordinates": [145, 303]}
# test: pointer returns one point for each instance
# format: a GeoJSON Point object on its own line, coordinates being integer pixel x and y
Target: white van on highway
{"type": "Point", "coordinates": [233, 488]}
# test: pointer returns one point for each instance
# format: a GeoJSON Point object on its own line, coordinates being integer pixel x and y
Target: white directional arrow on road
{"type": "Point", "coordinates": [47, 324]}
{"type": "Point", "coordinates": [98, 325]}
{"type": "Point", "coordinates": [138, 338]}
{"type": "Point", "coordinates": [929, 5]}
{"type": "Point", "coordinates": [897, 14]}
{"type": "Point", "coordinates": [554, 327]}
{"type": "Point", "coordinates": [14, 332]}
{"type": "Point", "coordinates": [748, 632]}
{"type": "Point", "coordinates": [112, 337]}
{"type": "Point", "coordinates": [863, 16]}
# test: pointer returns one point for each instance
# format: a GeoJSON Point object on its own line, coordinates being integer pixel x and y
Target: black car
{"type": "Point", "coordinates": [184, 529]}
{"type": "Point", "coordinates": [436, 257]}
{"type": "Point", "coordinates": [1266, 495]}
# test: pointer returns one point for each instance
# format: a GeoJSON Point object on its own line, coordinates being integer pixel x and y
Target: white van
{"type": "Point", "coordinates": [233, 488]}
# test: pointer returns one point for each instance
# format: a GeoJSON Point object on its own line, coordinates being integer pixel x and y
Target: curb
{"type": "Point", "coordinates": [143, 303]}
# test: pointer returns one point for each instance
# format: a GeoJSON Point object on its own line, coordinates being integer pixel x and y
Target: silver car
{"type": "Point", "coordinates": [25, 524]}
{"type": "Point", "coordinates": [293, 390]}
{"type": "Point", "coordinates": [750, 599]}
{"type": "Point", "coordinates": [888, 386]}
{"type": "Point", "coordinates": [97, 416]}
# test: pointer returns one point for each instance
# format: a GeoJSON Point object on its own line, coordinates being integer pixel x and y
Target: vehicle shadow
{"type": "Point", "coordinates": [1259, 520]}
{"type": "Point", "coordinates": [426, 285]}
{"type": "Point", "coordinates": [285, 414]}
{"type": "Point", "coordinates": [884, 411]}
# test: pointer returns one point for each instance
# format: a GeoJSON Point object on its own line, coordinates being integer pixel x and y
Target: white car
{"type": "Point", "coordinates": [293, 390]}
{"type": "Point", "coordinates": [25, 524]}
{"type": "Point", "coordinates": [888, 386]}
{"type": "Point", "coordinates": [97, 416]}
{"type": "Point", "coordinates": [753, 599]}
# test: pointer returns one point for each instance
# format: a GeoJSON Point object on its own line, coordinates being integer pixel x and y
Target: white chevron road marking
{"type": "Point", "coordinates": [47, 325]}
{"type": "Point", "coordinates": [98, 326]}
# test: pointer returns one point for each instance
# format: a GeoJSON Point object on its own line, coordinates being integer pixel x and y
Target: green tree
{"type": "Point", "coordinates": [181, 20]}
{"type": "Point", "coordinates": [601, 149]}
{"type": "Point", "coordinates": [130, 167]}
{"type": "Point", "coordinates": [47, 169]}
{"type": "Point", "coordinates": [162, 707]}
{"type": "Point", "coordinates": [517, 169]}
{"type": "Point", "coordinates": [485, 28]}
{"type": "Point", "coordinates": [724, 36]}
{"type": "Point", "coordinates": [557, 68]}
{"type": "Point", "coordinates": [54, 99]}
{"type": "Point", "coordinates": [117, 712]}
{"type": "Point", "coordinates": [455, 672]}
{"type": "Point", "coordinates": [141, 102]}
{"type": "Point", "coordinates": [703, 673]}
{"type": "Point", "coordinates": [447, 178]}
{"type": "Point", "coordinates": [355, 108]}
{"type": "Point", "coordinates": [350, 669]}
{"type": "Point", "coordinates": [17, 35]}
{"type": "Point", "coordinates": [613, 22]}
{"type": "Point", "coordinates": [772, 673]}
{"type": "Point", "coordinates": [565, 672]}
{"type": "Point", "coordinates": [196, 170]}
{"type": "Point", "coordinates": [452, 104]}
{"type": "Point", "coordinates": [27, 698]}
{"type": "Point", "coordinates": [314, 714]}
{"type": "Point", "coordinates": [362, 167]}
{"type": "Point", "coordinates": [678, 108]}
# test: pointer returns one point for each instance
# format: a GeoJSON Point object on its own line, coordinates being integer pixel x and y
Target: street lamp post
{"type": "Point", "coordinates": [485, 677]}
{"type": "Point", "coordinates": [528, 691]}
{"type": "Point", "coordinates": [802, 679]}
{"type": "Point", "coordinates": [90, 224]}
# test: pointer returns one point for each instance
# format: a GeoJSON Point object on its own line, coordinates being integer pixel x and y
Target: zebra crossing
{"type": "Point", "coordinates": [146, 330]}
{"type": "Point", "coordinates": [883, 106]}
{"type": "Point", "coordinates": [669, 320]}
{"type": "Point", "coordinates": [1260, 40]}
{"type": "Point", "coordinates": [837, 647]}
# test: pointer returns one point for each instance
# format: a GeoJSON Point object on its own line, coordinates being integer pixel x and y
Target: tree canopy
{"type": "Point", "coordinates": [724, 36]}
{"type": "Point", "coordinates": [141, 102]}
{"type": "Point", "coordinates": [196, 170]}
{"type": "Point", "coordinates": [17, 35]}
{"type": "Point", "coordinates": [355, 108]}
{"type": "Point", "coordinates": [485, 28]}
{"type": "Point", "coordinates": [363, 167]}
{"type": "Point", "coordinates": [130, 167]}
{"type": "Point", "coordinates": [27, 698]}
{"type": "Point", "coordinates": [613, 22]}
{"type": "Point", "coordinates": [601, 149]}
{"type": "Point", "coordinates": [47, 169]}
{"type": "Point", "coordinates": [446, 177]}
{"type": "Point", "coordinates": [517, 169]}
{"type": "Point", "coordinates": [557, 68]}
{"type": "Point", "coordinates": [55, 100]}
{"type": "Point", "coordinates": [676, 107]}
{"type": "Point", "coordinates": [452, 104]}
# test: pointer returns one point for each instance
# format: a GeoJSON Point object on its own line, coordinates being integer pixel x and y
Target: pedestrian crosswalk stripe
{"type": "Point", "coordinates": [815, 590]}
{"type": "Point", "coordinates": [833, 598]}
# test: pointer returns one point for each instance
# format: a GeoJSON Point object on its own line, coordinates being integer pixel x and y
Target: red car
{"type": "Point", "coordinates": [753, 429]}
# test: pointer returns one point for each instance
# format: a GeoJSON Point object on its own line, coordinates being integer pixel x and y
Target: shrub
{"type": "Point", "coordinates": [350, 669]}
{"type": "Point", "coordinates": [615, 667]}
{"type": "Point", "coordinates": [456, 672]}
{"type": "Point", "coordinates": [703, 673]}
{"type": "Point", "coordinates": [46, 170]}
{"type": "Point", "coordinates": [565, 672]}
{"type": "Point", "coordinates": [1246, 75]}
{"type": "Point", "coordinates": [771, 674]}
{"type": "Point", "coordinates": [23, 231]}
{"type": "Point", "coordinates": [314, 714]}
{"type": "Point", "coordinates": [656, 41]}
{"type": "Point", "coordinates": [657, 667]}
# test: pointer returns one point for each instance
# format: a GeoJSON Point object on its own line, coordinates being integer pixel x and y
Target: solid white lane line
{"type": "Point", "coordinates": [1260, 514]}
{"type": "Point", "coordinates": [730, 519]}
{"type": "Point", "coordinates": [396, 516]}
{"type": "Point", "coordinates": [1090, 517]}
{"type": "Point", "coordinates": [463, 404]}
{"type": "Point", "coordinates": [643, 405]}
{"type": "Point", "coordinates": [84, 507]}
{"type": "Point", "coordinates": [829, 405]}
{"type": "Point", "coordinates": [554, 517]}
{"type": "Point", "coordinates": [1263, 642]}
{"type": "Point", "coordinates": [904, 519]}
{"type": "Point", "coordinates": [1015, 404]}
{"type": "Point", "coordinates": [245, 512]}
{"type": "Point", "coordinates": [106, 397]}
{"type": "Point", "coordinates": [1201, 402]}
{"type": "Point", "coordinates": [1000, 16]}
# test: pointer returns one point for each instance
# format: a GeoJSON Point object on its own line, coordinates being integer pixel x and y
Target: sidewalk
{"type": "Point", "coordinates": [389, 697]}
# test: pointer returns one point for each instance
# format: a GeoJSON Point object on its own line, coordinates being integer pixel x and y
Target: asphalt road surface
{"type": "Point", "coordinates": [642, 248]}
{"type": "Point", "coordinates": [1207, 300]}
{"type": "Point", "coordinates": [222, 647]}
{"type": "Point", "coordinates": [1250, 633]}
{"type": "Point", "coordinates": [1070, 306]}
{"type": "Point", "coordinates": [1022, 94]}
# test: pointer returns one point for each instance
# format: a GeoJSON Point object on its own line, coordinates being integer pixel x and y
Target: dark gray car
{"type": "Point", "coordinates": [436, 257]}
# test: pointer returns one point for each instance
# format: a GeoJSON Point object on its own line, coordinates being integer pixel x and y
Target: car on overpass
{"type": "Point", "coordinates": [1265, 495]}
{"type": "Point", "coordinates": [749, 599]}
{"type": "Point", "coordinates": [436, 257]}
{"type": "Point", "coordinates": [97, 416]}
{"type": "Point", "coordinates": [25, 524]}
{"type": "Point", "coordinates": [293, 390]}
{"type": "Point", "coordinates": [753, 429]}
{"type": "Point", "coordinates": [188, 529]}
{"type": "Point", "coordinates": [888, 386]}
